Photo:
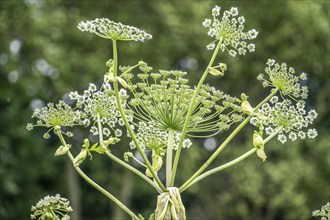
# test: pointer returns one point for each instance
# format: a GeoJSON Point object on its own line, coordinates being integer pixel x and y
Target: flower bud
{"type": "Point", "coordinates": [122, 82]}
{"type": "Point", "coordinates": [86, 144]}
{"type": "Point", "coordinates": [261, 154]}
{"type": "Point", "coordinates": [215, 72]}
{"type": "Point", "coordinates": [80, 157]}
{"type": "Point", "coordinates": [246, 108]}
{"type": "Point", "coordinates": [57, 129]}
{"type": "Point", "coordinates": [258, 141]}
{"type": "Point", "coordinates": [62, 150]}
{"type": "Point", "coordinates": [157, 163]}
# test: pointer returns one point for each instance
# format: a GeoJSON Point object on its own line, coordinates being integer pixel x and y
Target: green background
{"type": "Point", "coordinates": [44, 56]}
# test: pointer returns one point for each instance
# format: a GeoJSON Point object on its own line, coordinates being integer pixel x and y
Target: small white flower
{"type": "Point", "coordinates": [92, 87]}
{"type": "Point", "coordinates": [281, 138]}
{"type": "Point", "coordinates": [73, 95]}
{"type": "Point", "coordinates": [293, 136]}
{"type": "Point", "coordinates": [118, 133]}
{"type": "Point", "coordinates": [241, 20]}
{"type": "Point", "coordinates": [106, 132]}
{"type": "Point", "coordinates": [207, 22]}
{"type": "Point", "coordinates": [312, 133]}
{"type": "Point", "coordinates": [211, 32]}
{"type": "Point", "coordinates": [252, 34]}
{"type": "Point", "coordinates": [94, 130]}
{"type": "Point", "coordinates": [210, 46]}
{"type": "Point", "coordinates": [216, 11]}
{"type": "Point", "coordinates": [234, 11]}
{"type": "Point", "coordinates": [232, 53]}
{"type": "Point", "coordinates": [270, 62]}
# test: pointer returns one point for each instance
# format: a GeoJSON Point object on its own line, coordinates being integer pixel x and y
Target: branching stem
{"type": "Point", "coordinates": [225, 143]}
{"type": "Point", "coordinates": [95, 185]}
{"type": "Point", "coordinates": [130, 131]}
{"type": "Point", "coordinates": [190, 110]}
{"type": "Point", "coordinates": [229, 164]}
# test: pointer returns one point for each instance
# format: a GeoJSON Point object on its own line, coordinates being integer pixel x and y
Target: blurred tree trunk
{"type": "Point", "coordinates": [74, 190]}
{"type": "Point", "coordinates": [125, 195]}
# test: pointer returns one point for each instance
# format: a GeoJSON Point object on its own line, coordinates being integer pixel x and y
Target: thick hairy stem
{"type": "Point", "coordinates": [169, 157]}
{"type": "Point", "coordinates": [130, 131]}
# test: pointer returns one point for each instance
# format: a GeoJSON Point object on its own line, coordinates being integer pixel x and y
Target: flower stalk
{"type": "Point", "coordinates": [131, 133]}
{"type": "Point", "coordinates": [229, 164]}
{"type": "Point", "coordinates": [92, 183]}
{"type": "Point", "coordinates": [190, 110]}
{"type": "Point", "coordinates": [225, 143]}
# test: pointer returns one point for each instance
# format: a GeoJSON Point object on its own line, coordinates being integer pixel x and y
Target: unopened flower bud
{"type": "Point", "coordinates": [261, 154]}
{"type": "Point", "coordinates": [86, 144]}
{"type": "Point", "coordinates": [247, 108]}
{"type": "Point", "coordinates": [157, 163]}
{"type": "Point", "coordinates": [80, 157]}
{"type": "Point", "coordinates": [122, 82]}
{"type": "Point", "coordinates": [258, 141]}
{"type": "Point", "coordinates": [62, 150]}
{"type": "Point", "coordinates": [215, 72]}
{"type": "Point", "coordinates": [57, 129]}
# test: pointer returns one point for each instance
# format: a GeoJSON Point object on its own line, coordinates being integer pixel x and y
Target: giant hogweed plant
{"type": "Point", "coordinates": [160, 113]}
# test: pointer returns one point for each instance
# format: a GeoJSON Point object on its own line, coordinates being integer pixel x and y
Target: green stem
{"type": "Point", "coordinates": [94, 184]}
{"type": "Point", "coordinates": [130, 131]}
{"type": "Point", "coordinates": [225, 143]}
{"type": "Point", "coordinates": [102, 190]}
{"type": "Point", "coordinates": [169, 157]}
{"type": "Point", "coordinates": [229, 164]}
{"type": "Point", "coordinates": [190, 110]}
{"type": "Point", "coordinates": [137, 172]}
{"type": "Point", "coordinates": [217, 169]}
{"type": "Point", "coordinates": [99, 125]}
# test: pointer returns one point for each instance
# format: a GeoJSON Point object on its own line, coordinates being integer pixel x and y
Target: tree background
{"type": "Point", "coordinates": [43, 56]}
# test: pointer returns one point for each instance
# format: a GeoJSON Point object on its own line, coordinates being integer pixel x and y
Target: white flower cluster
{"type": "Point", "coordinates": [151, 137]}
{"type": "Point", "coordinates": [52, 207]}
{"type": "Point", "coordinates": [230, 30]}
{"type": "Point", "coordinates": [284, 78]}
{"type": "Point", "coordinates": [101, 103]}
{"type": "Point", "coordinates": [108, 29]}
{"type": "Point", "coordinates": [293, 120]}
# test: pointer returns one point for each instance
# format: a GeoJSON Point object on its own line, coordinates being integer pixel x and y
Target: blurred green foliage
{"type": "Point", "coordinates": [43, 57]}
